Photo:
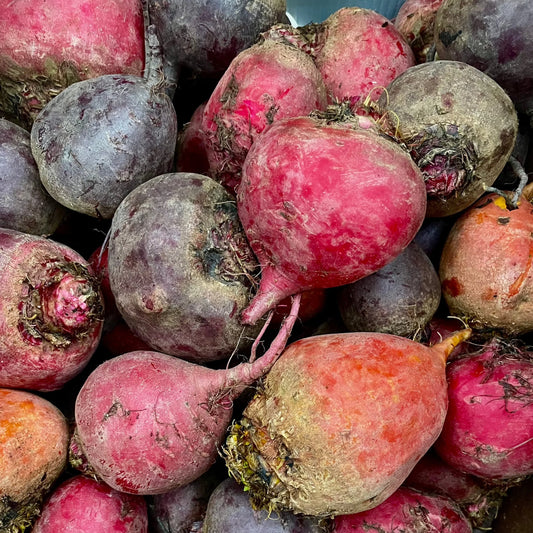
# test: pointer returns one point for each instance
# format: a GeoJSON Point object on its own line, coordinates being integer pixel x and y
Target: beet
{"type": "Point", "coordinates": [51, 312]}
{"type": "Point", "coordinates": [181, 284]}
{"type": "Point", "coordinates": [339, 422]}
{"type": "Point", "coordinates": [488, 429]}
{"type": "Point", "coordinates": [516, 514]}
{"type": "Point", "coordinates": [400, 298]}
{"type": "Point", "coordinates": [263, 84]}
{"type": "Point", "coordinates": [359, 54]}
{"type": "Point", "coordinates": [100, 138]}
{"type": "Point", "coordinates": [147, 422]}
{"type": "Point", "coordinates": [25, 205]}
{"type": "Point", "coordinates": [485, 266]}
{"type": "Point", "coordinates": [437, 109]}
{"type": "Point", "coordinates": [183, 509]}
{"type": "Point", "coordinates": [33, 453]}
{"type": "Point", "coordinates": [407, 510]}
{"type": "Point", "coordinates": [415, 21]}
{"type": "Point", "coordinates": [201, 38]}
{"type": "Point", "coordinates": [478, 499]}
{"type": "Point", "coordinates": [324, 204]}
{"type": "Point", "coordinates": [64, 43]}
{"type": "Point", "coordinates": [494, 37]}
{"type": "Point", "coordinates": [83, 504]}
{"type": "Point", "coordinates": [229, 509]}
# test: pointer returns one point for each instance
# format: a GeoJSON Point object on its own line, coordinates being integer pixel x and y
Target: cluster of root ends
{"type": "Point", "coordinates": [446, 158]}
{"type": "Point", "coordinates": [61, 308]}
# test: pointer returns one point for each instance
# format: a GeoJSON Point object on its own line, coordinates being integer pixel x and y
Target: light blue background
{"type": "Point", "coordinates": [304, 11]}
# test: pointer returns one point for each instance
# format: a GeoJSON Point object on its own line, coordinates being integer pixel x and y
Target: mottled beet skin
{"type": "Point", "coordinates": [263, 84]}
{"type": "Point", "coordinates": [83, 504]}
{"type": "Point", "coordinates": [340, 422]}
{"type": "Point", "coordinates": [488, 430]}
{"type": "Point", "coordinates": [180, 267]}
{"type": "Point", "coordinates": [324, 204]}
{"type": "Point", "coordinates": [64, 42]}
{"type": "Point", "coordinates": [438, 110]}
{"type": "Point", "coordinates": [100, 138]}
{"type": "Point", "coordinates": [50, 314]}
{"type": "Point", "coordinates": [361, 52]}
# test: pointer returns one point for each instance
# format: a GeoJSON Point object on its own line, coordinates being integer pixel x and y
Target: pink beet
{"type": "Point", "coordinates": [51, 312]}
{"type": "Point", "coordinates": [407, 510]}
{"type": "Point", "coordinates": [64, 42]}
{"type": "Point", "coordinates": [488, 431]}
{"type": "Point", "coordinates": [82, 504]}
{"type": "Point", "coordinates": [324, 204]}
{"type": "Point", "coordinates": [263, 84]}
{"type": "Point", "coordinates": [361, 53]}
{"type": "Point", "coordinates": [147, 422]}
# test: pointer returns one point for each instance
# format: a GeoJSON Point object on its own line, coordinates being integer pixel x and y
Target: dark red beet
{"type": "Point", "coordinates": [24, 204]}
{"type": "Point", "coordinates": [201, 38]}
{"type": "Point", "coordinates": [493, 36]}
{"type": "Point", "coordinates": [180, 267]}
{"type": "Point", "coordinates": [400, 298]}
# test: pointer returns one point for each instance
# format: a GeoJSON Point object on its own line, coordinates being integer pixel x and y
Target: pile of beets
{"type": "Point", "coordinates": [265, 278]}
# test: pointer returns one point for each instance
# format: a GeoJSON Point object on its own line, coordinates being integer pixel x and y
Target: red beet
{"type": "Point", "coordinates": [407, 510]}
{"type": "Point", "coordinates": [148, 422]}
{"type": "Point", "coordinates": [360, 53]}
{"type": "Point", "coordinates": [488, 430]}
{"type": "Point", "coordinates": [50, 313]}
{"type": "Point", "coordinates": [416, 22]}
{"type": "Point", "coordinates": [64, 42]}
{"type": "Point", "coordinates": [324, 204]}
{"type": "Point", "coordinates": [83, 504]}
{"type": "Point", "coordinates": [478, 499]}
{"type": "Point", "coordinates": [263, 84]}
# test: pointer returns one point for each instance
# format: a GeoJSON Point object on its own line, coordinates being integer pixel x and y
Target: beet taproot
{"type": "Point", "coordinates": [400, 298]}
{"type": "Point", "coordinates": [340, 421]}
{"type": "Point", "coordinates": [34, 437]}
{"type": "Point", "coordinates": [324, 204]}
{"type": "Point", "coordinates": [407, 510]}
{"type": "Point", "coordinates": [83, 504]}
{"type": "Point", "coordinates": [100, 138]}
{"type": "Point", "coordinates": [488, 429]}
{"type": "Point", "coordinates": [51, 312]}
{"type": "Point", "coordinates": [148, 422]}
{"type": "Point", "coordinates": [438, 110]}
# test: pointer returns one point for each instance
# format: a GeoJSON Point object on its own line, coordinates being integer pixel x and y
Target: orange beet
{"type": "Point", "coordinates": [486, 266]}
{"type": "Point", "coordinates": [33, 453]}
{"type": "Point", "coordinates": [340, 422]}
